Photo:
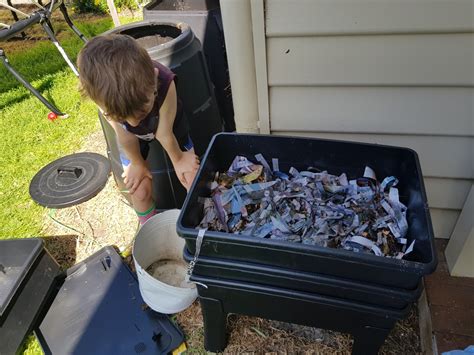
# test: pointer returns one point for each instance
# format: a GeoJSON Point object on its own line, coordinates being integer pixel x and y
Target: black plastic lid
{"type": "Point", "coordinates": [99, 310]}
{"type": "Point", "coordinates": [70, 180]}
{"type": "Point", "coordinates": [16, 258]}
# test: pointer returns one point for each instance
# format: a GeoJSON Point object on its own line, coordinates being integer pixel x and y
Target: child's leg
{"type": "Point", "coordinates": [142, 200]}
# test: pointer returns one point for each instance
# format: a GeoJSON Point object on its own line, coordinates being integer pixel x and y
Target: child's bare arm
{"type": "Point", "coordinates": [183, 162]}
{"type": "Point", "coordinates": [128, 141]}
{"type": "Point", "coordinates": [164, 133]}
{"type": "Point", "coordinates": [137, 170]}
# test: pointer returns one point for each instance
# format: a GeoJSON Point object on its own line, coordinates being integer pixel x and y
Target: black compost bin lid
{"type": "Point", "coordinates": [16, 258]}
{"type": "Point", "coordinates": [70, 180]}
{"type": "Point", "coordinates": [95, 307]}
{"type": "Point", "coordinates": [98, 309]}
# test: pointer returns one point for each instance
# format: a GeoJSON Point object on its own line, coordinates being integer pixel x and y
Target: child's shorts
{"type": "Point", "coordinates": [185, 144]}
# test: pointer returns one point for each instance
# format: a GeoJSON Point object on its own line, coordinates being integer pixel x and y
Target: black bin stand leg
{"type": "Point", "coordinates": [26, 84]}
{"type": "Point", "coordinates": [215, 324]}
{"type": "Point", "coordinates": [60, 49]}
{"type": "Point", "coordinates": [368, 340]}
{"type": "Point", "coordinates": [63, 9]}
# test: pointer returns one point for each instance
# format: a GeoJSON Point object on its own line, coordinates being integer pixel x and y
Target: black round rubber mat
{"type": "Point", "coordinates": [70, 180]}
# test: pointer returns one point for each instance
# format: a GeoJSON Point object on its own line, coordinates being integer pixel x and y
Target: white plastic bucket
{"type": "Point", "coordinates": [156, 241]}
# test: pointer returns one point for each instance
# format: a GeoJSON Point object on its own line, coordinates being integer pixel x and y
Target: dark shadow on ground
{"type": "Point", "coordinates": [46, 85]}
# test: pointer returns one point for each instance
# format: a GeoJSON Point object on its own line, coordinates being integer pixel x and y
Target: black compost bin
{"type": "Point", "coordinates": [204, 18]}
{"type": "Point", "coordinates": [174, 45]}
{"type": "Point", "coordinates": [273, 276]}
{"type": "Point", "coordinates": [369, 325]}
{"type": "Point", "coordinates": [336, 157]}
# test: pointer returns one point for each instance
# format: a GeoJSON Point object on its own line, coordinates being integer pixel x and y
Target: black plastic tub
{"type": "Point", "coordinates": [27, 277]}
{"type": "Point", "coordinates": [368, 324]}
{"type": "Point", "coordinates": [336, 157]}
{"type": "Point", "coordinates": [304, 281]}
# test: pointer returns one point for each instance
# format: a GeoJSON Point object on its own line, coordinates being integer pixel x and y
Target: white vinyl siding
{"type": "Point", "coordinates": [395, 72]}
{"type": "Point", "coordinates": [328, 17]}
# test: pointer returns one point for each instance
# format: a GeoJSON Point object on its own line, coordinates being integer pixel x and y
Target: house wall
{"type": "Point", "coordinates": [396, 72]}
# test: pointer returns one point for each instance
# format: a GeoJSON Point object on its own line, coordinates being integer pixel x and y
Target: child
{"type": "Point", "coordinates": [138, 97]}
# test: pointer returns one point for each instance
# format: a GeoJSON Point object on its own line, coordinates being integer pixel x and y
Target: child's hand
{"type": "Point", "coordinates": [186, 168]}
{"type": "Point", "coordinates": [134, 174]}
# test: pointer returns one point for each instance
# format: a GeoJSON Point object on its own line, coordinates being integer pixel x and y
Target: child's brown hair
{"type": "Point", "coordinates": [118, 74]}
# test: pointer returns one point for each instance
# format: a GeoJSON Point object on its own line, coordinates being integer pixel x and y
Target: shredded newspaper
{"type": "Point", "coordinates": [310, 207]}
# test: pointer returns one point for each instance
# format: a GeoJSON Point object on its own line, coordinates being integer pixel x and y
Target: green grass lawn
{"type": "Point", "coordinates": [28, 140]}
{"type": "Point", "coordinates": [42, 57]}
